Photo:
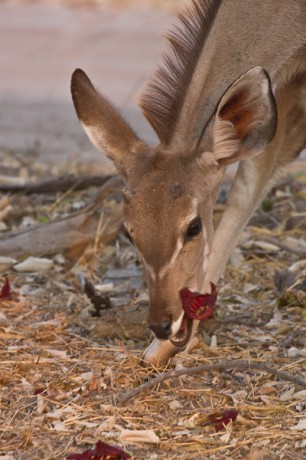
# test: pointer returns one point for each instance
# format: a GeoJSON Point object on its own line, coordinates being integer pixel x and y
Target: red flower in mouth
{"type": "Point", "coordinates": [199, 306]}
{"type": "Point", "coordinates": [102, 451]}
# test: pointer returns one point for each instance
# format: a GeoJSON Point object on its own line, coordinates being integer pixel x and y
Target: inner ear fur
{"type": "Point", "coordinates": [105, 127]}
{"type": "Point", "coordinates": [245, 121]}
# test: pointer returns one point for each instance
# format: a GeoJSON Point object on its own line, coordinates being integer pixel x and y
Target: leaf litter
{"type": "Point", "coordinates": [68, 352]}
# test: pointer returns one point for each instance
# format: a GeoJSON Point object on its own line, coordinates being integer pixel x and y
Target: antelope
{"type": "Point", "coordinates": [232, 88]}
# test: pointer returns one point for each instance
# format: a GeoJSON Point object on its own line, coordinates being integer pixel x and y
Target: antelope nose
{"type": "Point", "coordinates": [163, 330]}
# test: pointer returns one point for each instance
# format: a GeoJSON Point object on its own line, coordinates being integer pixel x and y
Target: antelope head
{"type": "Point", "coordinates": [170, 191]}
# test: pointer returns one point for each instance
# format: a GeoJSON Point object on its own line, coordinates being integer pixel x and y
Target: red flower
{"type": "Point", "coordinates": [199, 306]}
{"type": "Point", "coordinates": [6, 290]}
{"type": "Point", "coordinates": [102, 451]}
{"type": "Point", "coordinates": [40, 391]}
{"type": "Point", "coordinates": [220, 419]}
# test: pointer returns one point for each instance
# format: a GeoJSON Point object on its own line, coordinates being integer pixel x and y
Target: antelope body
{"type": "Point", "coordinates": [232, 88]}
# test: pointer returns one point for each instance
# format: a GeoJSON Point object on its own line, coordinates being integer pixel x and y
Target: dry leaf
{"type": "Point", "coordinates": [266, 390]}
{"type": "Point", "coordinates": [266, 399]}
{"type": "Point", "coordinates": [295, 243]}
{"type": "Point", "coordinates": [288, 395]}
{"type": "Point", "coordinates": [107, 425]}
{"type": "Point", "coordinates": [269, 247]}
{"type": "Point", "coordinates": [276, 321]}
{"type": "Point", "coordinates": [58, 413]}
{"type": "Point", "coordinates": [41, 405]}
{"type": "Point", "coordinates": [299, 395]}
{"type": "Point", "coordinates": [104, 287]}
{"type": "Point", "coordinates": [298, 445]}
{"type": "Point", "coordinates": [56, 353]}
{"type": "Point", "coordinates": [244, 421]}
{"type": "Point", "coordinates": [59, 426]}
{"type": "Point", "coordinates": [226, 437]}
{"type": "Point", "coordinates": [139, 436]}
{"type": "Point", "coordinates": [294, 352]}
{"type": "Point", "coordinates": [255, 454]}
{"type": "Point", "coordinates": [84, 377]}
{"type": "Point", "coordinates": [4, 202]}
{"type": "Point", "coordinates": [5, 264]}
{"type": "Point", "coordinates": [239, 396]}
{"type": "Point", "coordinates": [300, 426]}
{"type": "Point", "coordinates": [175, 404]}
{"type": "Point", "coordinates": [34, 264]}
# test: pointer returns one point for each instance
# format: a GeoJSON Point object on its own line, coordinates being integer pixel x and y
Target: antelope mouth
{"type": "Point", "coordinates": [182, 337]}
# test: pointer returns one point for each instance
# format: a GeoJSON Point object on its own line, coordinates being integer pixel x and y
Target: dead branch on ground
{"type": "Point", "coordinates": [221, 366]}
{"type": "Point", "coordinates": [55, 184]}
{"type": "Point", "coordinates": [68, 235]}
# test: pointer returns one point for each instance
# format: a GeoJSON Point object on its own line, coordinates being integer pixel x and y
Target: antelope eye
{"type": "Point", "coordinates": [194, 229]}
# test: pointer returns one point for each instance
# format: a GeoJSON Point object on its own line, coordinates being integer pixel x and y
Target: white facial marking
{"type": "Point", "coordinates": [150, 270]}
{"type": "Point", "coordinates": [176, 325]}
{"type": "Point", "coordinates": [165, 269]}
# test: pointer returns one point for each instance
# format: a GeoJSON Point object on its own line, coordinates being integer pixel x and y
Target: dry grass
{"type": "Point", "coordinates": [60, 386]}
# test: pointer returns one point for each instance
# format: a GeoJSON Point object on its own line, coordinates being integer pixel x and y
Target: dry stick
{"type": "Point", "coordinates": [283, 245]}
{"type": "Point", "coordinates": [222, 366]}
{"type": "Point", "coordinates": [70, 233]}
{"type": "Point", "coordinates": [56, 184]}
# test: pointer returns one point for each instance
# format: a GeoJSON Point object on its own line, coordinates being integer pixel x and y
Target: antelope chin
{"type": "Point", "coordinates": [182, 337]}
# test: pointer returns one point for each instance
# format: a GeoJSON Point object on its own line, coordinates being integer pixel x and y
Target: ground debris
{"type": "Point", "coordinates": [62, 367]}
{"type": "Point", "coordinates": [99, 301]}
{"type": "Point", "coordinates": [69, 235]}
{"type": "Point", "coordinates": [54, 184]}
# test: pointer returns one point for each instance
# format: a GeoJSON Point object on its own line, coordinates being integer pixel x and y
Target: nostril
{"type": "Point", "coordinates": [166, 325]}
{"type": "Point", "coordinates": [162, 330]}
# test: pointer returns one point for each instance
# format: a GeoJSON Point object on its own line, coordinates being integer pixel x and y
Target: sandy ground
{"type": "Point", "coordinates": [41, 45]}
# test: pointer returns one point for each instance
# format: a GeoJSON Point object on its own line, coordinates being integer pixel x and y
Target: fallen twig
{"type": "Point", "coordinates": [221, 366]}
{"type": "Point", "coordinates": [55, 184]}
{"type": "Point", "coordinates": [68, 235]}
{"type": "Point", "coordinates": [283, 245]}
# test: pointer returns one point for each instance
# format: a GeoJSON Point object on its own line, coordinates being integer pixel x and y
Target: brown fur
{"type": "Point", "coordinates": [183, 95]}
{"type": "Point", "coordinates": [234, 88]}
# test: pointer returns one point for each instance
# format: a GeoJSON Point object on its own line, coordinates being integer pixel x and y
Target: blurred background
{"type": "Point", "coordinates": [117, 42]}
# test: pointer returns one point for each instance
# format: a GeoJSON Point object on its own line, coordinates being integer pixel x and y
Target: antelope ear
{"type": "Point", "coordinates": [245, 121]}
{"type": "Point", "coordinates": [104, 126]}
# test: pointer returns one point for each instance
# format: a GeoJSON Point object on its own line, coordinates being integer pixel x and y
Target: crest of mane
{"type": "Point", "coordinates": [164, 97]}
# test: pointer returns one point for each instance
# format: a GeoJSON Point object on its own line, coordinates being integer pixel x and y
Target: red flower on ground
{"type": "Point", "coordinates": [102, 451]}
{"type": "Point", "coordinates": [199, 306]}
{"type": "Point", "coordinates": [222, 418]}
{"type": "Point", "coordinates": [40, 391]}
{"type": "Point", "coordinates": [6, 290]}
